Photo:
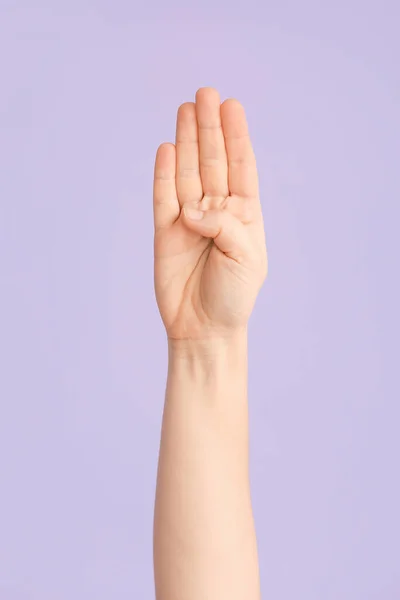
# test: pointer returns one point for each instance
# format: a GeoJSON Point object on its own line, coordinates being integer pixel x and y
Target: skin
{"type": "Point", "coordinates": [210, 263]}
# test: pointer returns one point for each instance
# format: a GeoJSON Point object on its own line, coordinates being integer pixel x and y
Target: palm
{"type": "Point", "coordinates": [208, 272]}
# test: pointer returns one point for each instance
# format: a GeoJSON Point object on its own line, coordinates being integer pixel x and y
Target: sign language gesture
{"type": "Point", "coordinates": [209, 247]}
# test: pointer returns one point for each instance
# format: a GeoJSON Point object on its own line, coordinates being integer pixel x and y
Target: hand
{"type": "Point", "coordinates": [209, 247]}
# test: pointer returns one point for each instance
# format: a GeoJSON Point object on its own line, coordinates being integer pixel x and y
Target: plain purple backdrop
{"type": "Point", "coordinates": [88, 91]}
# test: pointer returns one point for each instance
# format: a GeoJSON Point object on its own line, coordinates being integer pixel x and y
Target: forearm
{"type": "Point", "coordinates": [204, 539]}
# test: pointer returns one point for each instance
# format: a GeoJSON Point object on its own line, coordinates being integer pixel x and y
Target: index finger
{"type": "Point", "coordinates": [242, 168]}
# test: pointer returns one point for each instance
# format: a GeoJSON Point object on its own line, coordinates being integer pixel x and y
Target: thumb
{"type": "Point", "coordinates": [229, 234]}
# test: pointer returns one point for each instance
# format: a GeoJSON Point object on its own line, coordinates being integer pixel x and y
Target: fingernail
{"type": "Point", "coordinates": [193, 214]}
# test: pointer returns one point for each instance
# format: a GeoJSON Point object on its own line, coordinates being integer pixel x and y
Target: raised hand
{"type": "Point", "coordinates": [209, 246]}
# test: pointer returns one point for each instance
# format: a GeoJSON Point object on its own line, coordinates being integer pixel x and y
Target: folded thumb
{"type": "Point", "coordinates": [229, 234]}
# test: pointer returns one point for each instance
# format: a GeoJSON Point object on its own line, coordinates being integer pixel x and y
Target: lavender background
{"type": "Point", "coordinates": [88, 91]}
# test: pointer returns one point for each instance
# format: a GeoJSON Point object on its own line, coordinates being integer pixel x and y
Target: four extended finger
{"type": "Point", "coordinates": [165, 200]}
{"type": "Point", "coordinates": [188, 180]}
{"type": "Point", "coordinates": [242, 168]}
{"type": "Point", "coordinates": [213, 161]}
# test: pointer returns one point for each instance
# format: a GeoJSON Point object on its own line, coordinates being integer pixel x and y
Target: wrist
{"type": "Point", "coordinates": [224, 356]}
{"type": "Point", "coordinates": [208, 347]}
